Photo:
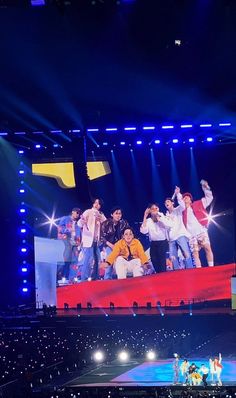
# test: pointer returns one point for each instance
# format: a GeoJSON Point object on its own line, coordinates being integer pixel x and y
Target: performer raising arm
{"type": "Point", "coordinates": [195, 219]}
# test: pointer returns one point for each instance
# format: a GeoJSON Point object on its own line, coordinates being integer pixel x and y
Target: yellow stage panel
{"type": "Point", "coordinates": [98, 169]}
{"type": "Point", "coordinates": [64, 172]}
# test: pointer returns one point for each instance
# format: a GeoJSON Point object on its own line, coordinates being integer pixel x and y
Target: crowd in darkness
{"type": "Point", "coordinates": [45, 355]}
{"type": "Point", "coordinates": [28, 351]}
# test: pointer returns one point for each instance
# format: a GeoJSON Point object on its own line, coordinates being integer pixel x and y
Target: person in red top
{"type": "Point", "coordinates": [195, 218]}
{"type": "Point", "coordinates": [218, 368]}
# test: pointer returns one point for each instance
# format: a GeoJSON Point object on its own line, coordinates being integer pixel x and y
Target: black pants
{"type": "Point", "coordinates": [95, 271]}
{"type": "Point", "coordinates": [158, 251]}
{"type": "Point", "coordinates": [204, 377]}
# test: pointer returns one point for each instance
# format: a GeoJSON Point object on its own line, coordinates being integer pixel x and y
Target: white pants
{"type": "Point", "coordinates": [122, 267]}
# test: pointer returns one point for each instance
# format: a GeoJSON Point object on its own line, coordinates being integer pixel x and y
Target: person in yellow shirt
{"type": "Point", "coordinates": [127, 256]}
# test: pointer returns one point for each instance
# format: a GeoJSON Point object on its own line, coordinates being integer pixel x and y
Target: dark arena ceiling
{"type": "Point", "coordinates": [83, 64]}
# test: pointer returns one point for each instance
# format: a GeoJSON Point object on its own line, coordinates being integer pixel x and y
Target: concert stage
{"type": "Point", "coordinates": [191, 287]}
{"type": "Point", "coordinates": [153, 373]}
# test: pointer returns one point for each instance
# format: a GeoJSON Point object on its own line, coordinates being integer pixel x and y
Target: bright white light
{"type": "Point", "coordinates": [224, 124]}
{"type": "Point", "coordinates": [151, 355]}
{"type": "Point", "coordinates": [98, 356]}
{"type": "Point", "coordinates": [178, 42]}
{"type": "Point", "coordinates": [51, 221]}
{"type": "Point", "coordinates": [176, 355]}
{"type": "Point", "coordinates": [123, 356]}
{"type": "Point", "coordinates": [167, 127]}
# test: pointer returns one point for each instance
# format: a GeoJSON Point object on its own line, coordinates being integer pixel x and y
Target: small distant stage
{"type": "Point", "coordinates": [151, 373]}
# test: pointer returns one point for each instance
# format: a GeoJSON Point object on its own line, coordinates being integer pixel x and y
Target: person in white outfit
{"type": "Point", "coordinates": [90, 222]}
{"type": "Point", "coordinates": [195, 219]}
{"type": "Point", "coordinates": [178, 234]}
{"type": "Point", "coordinates": [155, 227]}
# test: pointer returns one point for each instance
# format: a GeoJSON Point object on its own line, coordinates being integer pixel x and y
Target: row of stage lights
{"type": "Point", "coordinates": [140, 142]}
{"type": "Point", "coordinates": [127, 129]}
{"type": "Point", "coordinates": [23, 229]}
{"type": "Point", "coordinates": [123, 356]}
{"type": "Point", "coordinates": [50, 310]}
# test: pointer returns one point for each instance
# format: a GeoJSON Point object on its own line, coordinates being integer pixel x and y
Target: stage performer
{"type": "Point", "coordinates": [212, 370]}
{"type": "Point", "coordinates": [192, 370]}
{"type": "Point", "coordinates": [111, 231]}
{"type": "Point", "coordinates": [70, 233]}
{"type": "Point", "coordinates": [90, 222]}
{"type": "Point", "coordinates": [195, 219]}
{"type": "Point", "coordinates": [128, 256]}
{"type": "Point", "coordinates": [178, 235]}
{"type": "Point", "coordinates": [156, 228]}
{"type": "Point", "coordinates": [204, 371]}
{"type": "Point", "coordinates": [184, 371]}
{"type": "Point", "coordinates": [218, 368]}
{"type": "Point", "coordinates": [176, 369]}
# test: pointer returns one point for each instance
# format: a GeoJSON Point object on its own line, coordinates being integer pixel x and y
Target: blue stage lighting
{"type": "Point", "coordinates": [165, 127]}
{"type": "Point", "coordinates": [224, 124]}
{"type": "Point", "coordinates": [23, 250]}
{"type": "Point", "coordinates": [134, 314]}
{"type": "Point", "coordinates": [21, 172]}
{"type": "Point", "coordinates": [21, 152]}
{"type": "Point", "coordinates": [92, 130]}
{"type": "Point", "coordinates": [23, 230]}
{"type": "Point", "coordinates": [209, 139]}
{"type": "Point", "coordinates": [55, 145]}
{"type": "Point", "coordinates": [22, 191]}
{"type": "Point", "coordinates": [175, 141]}
{"type": "Point", "coordinates": [75, 131]}
{"type": "Point", "coordinates": [149, 128]}
{"type": "Point", "coordinates": [105, 143]}
{"type": "Point", "coordinates": [191, 140]}
{"type": "Point", "coordinates": [111, 129]}
{"type": "Point", "coordinates": [157, 141]}
{"type": "Point", "coordinates": [130, 128]}
{"type": "Point", "coordinates": [3, 133]}
{"type": "Point", "coordinates": [122, 143]}
{"type": "Point", "coordinates": [37, 146]}
{"type": "Point", "coordinates": [22, 210]}
{"type": "Point", "coordinates": [139, 142]}
{"type": "Point", "coordinates": [38, 3]}
{"type": "Point", "coordinates": [25, 289]}
{"type": "Point", "coordinates": [55, 131]}
{"type": "Point", "coordinates": [24, 269]}
{"type": "Point", "coordinates": [206, 125]}
{"type": "Point", "coordinates": [186, 126]}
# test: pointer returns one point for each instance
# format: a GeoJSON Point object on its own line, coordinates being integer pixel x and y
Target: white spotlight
{"type": "Point", "coordinates": [151, 355]}
{"type": "Point", "coordinates": [98, 356]}
{"type": "Point", "coordinates": [123, 356]}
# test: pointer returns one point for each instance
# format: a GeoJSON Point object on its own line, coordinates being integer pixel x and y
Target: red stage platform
{"type": "Point", "coordinates": [202, 284]}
